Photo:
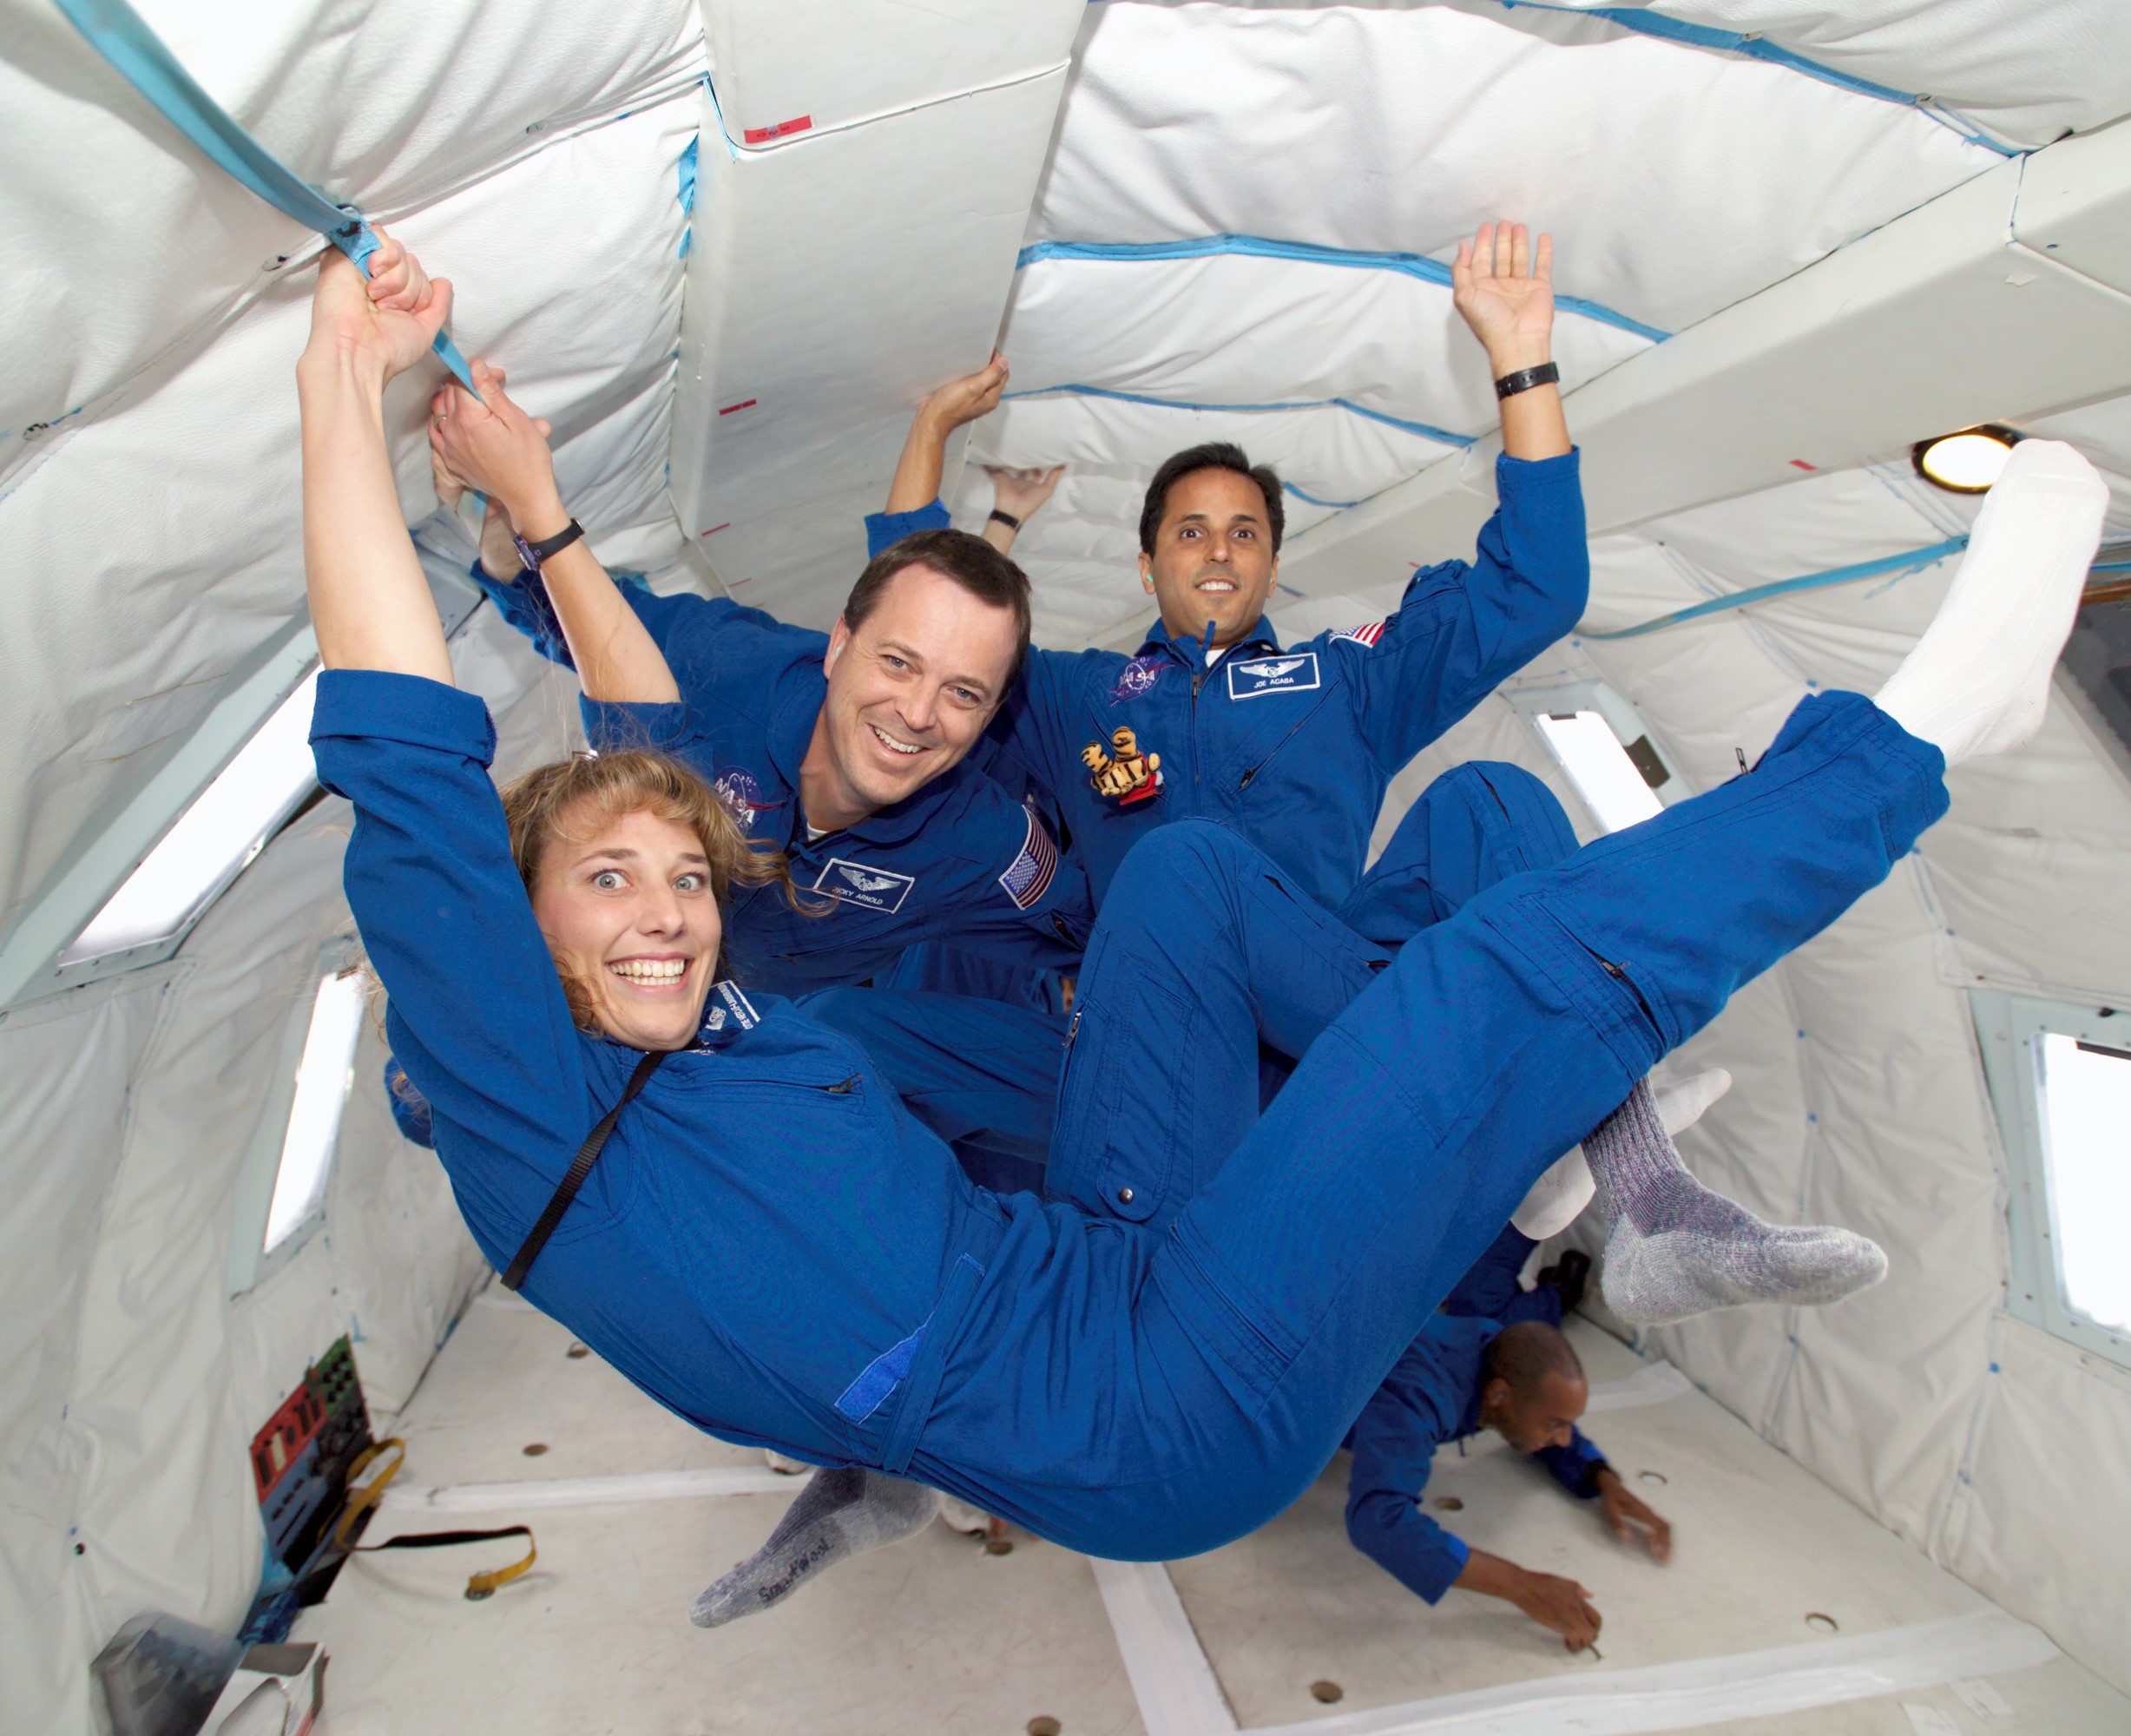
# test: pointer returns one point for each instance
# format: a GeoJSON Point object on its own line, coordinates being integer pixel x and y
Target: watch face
{"type": "Point", "coordinates": [528, 556]}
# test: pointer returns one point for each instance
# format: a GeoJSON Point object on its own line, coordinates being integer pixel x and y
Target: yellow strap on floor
{"type": "Point", "coordinates": [362, 1500]}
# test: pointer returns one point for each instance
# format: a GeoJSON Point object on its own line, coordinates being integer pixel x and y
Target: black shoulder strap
{"type": "Point", "coordinates": [588, 1154]}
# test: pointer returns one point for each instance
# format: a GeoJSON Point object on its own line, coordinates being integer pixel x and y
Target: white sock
{"type": "Point", "coordinates": [1558, 1198]}
{"type": "Point", "coordinates": [1978, 681]}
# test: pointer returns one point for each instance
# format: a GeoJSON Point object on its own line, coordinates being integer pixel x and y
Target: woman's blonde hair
{"type": "Point", "coordinates": [578, 798]}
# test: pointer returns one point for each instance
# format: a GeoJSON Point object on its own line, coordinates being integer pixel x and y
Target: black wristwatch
{"type": "Point", "coordinates": [534, 554]}
{"type": "Point", "coordinates": [1525, 379]}
{"type": "Point", "coordinates": [1006, 518]}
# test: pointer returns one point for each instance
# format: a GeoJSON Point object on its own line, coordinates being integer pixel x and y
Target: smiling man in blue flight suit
{"type": "Point", "coordinates": [1292, 745]}
{"type": "Point", "coordinates": [1458, 1378]}
{"type": "Point", "coordinates": [844, 750]}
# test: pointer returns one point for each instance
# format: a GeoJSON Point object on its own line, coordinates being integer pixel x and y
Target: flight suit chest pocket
{"type": "Point", "coordinates": [1275, 731]}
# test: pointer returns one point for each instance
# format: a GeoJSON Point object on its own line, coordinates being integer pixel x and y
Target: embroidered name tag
{"type": "Point", "coordinates": [857, 883]}
{"type": "Point", "coordinates": [1295, 673]}
{"type": "Point", "coordinates": [728, 1006]}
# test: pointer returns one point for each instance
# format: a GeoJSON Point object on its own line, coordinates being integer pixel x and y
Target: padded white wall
{"type": "Point", "coordinates": [154, 534]}
{"type": "Point", "coordinates": [131, 1383]}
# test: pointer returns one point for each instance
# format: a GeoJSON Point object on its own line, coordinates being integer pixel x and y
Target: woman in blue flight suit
{"type": "Point", "coordinates": [773, 1249]}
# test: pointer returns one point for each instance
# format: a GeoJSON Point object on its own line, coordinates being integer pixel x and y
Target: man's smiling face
{"type": "Point", "coordinates": [911, 689]}
{"type": "Point", "coordinates": [1213, 558]}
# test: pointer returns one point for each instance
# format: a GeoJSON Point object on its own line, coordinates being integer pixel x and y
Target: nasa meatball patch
{"type": "Point", "coordinates": [858, 882]}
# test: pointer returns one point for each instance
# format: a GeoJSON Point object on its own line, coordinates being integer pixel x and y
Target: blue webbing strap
{"type": "Point", "coordinates": [1812, 581]}
{"type": "Point", "coordinates": [119, 34]}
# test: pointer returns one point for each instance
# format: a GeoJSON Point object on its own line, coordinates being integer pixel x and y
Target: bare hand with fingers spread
{"type": "Point", "coordinates": [1502, 283]}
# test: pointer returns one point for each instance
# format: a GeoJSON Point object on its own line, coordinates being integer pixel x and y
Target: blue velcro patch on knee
{"type": "Point", "coordinates": [880, 1377]}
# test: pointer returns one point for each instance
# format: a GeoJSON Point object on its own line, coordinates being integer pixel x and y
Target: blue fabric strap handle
{"type": "Point", "coordinates": [119, 34]}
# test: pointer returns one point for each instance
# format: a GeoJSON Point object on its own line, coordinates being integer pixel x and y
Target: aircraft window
{"type": "Point", "coordinates": [1598, 763]}
{"type": "Point", "coordinates": [323, 1078]}
{"type": "Point", "coordinates": [2060, 1077]}
{"type": "Point", "coordinates": [213, 840]}
{"type": "Point", "coordinates": [2086, 1153]}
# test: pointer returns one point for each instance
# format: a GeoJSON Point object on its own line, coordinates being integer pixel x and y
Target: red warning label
{"type": "Point", "coordinates": [782, 130]}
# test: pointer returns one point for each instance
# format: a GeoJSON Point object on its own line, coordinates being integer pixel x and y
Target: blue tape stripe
{"type": "Point", "coordinates": [1810, 581]}
{"type": "Point", "coordinates": [1442, 436]}
{"type": "Point", "coordinates": [117, 33]}
{"type": "Point", "coordinates": [1259, 246]}
{"type": "Point", "coordinates": [1645, 23]}
{"type": "Point", "coordinates": [1300, 494]}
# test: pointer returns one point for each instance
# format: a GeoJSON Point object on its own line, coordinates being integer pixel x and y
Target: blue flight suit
{"type": "Point", "coordinates": [986, 1075]}
{"type": "Point", "coordinates": [1431, 1396]}
{"type": "Point", "coordinates": [773, 1247]}
{"type": "Point", "coordinates": [1293, 747]}
{"type": "Point", "coordinates": [959, 859]}
{"type": "Point", "coordinates": [1490, 1291]}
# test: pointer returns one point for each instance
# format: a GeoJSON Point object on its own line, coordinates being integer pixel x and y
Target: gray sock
{"type": "Point", "coordinates": [839, 1513]}
{"type": "Point", "coordinates": [1674, 1249]}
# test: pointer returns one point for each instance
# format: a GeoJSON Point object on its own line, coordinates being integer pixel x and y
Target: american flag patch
{"type": "Point", "coordinates": [1362, 635]}
{"type": "Point", "coordinates": [1028, 876]}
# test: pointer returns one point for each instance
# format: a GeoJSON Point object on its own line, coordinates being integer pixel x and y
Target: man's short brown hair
{"type": "Point", "coordinates": [970, 561]}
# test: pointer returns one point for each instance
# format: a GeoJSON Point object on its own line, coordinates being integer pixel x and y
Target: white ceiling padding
{"type": "Point", "coordinates": [779, 63]}
{"type": "Point", "coordinates": [2021, 73]}
{"type": "Point", "coordinates": [2102, 430]}
{"type": "Point", "coordinates": [568, 273]}
{"type": "Point", "coordinates": [834, 278]}
{"type": "Point", "coordinates": [118, 243]}
{"type": "Point", "coordinates": [1936, 321]}
{"type": "Point", "coordinates": [2025, 73]}
{"type": "Point", "coordinates": [1231, 330]}
{"type": "Point", "coordinates": [1404, 130]}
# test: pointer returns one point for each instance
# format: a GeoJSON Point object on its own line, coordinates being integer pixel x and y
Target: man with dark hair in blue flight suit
{"type": "Point", "coordinates": [843, 750]}
{"type": "Point", "coordinates": [1525, 1382]}
{"type": "Point", "coordinates": [1213, 716]}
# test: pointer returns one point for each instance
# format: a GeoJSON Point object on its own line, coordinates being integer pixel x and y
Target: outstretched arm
{"type": "Point", "coordinates": [370, 603]}
{"type": "Point", "coordinates": [1502, 285]}
{"type": "Point", "coordinates": [944, 409]}
{"type": "Point", "coordinates": [1017, 494]}
{"type": "Point", "coordinates": [488, 442]}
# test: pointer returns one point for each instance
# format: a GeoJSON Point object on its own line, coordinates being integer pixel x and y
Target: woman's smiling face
{"type": "Point", "coordinates": [628, 910]}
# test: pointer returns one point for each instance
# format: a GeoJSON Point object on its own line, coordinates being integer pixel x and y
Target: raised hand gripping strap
{"type": "Point", "coordinates": [122, 37]}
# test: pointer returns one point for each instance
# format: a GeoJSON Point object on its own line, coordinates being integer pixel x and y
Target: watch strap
{"type": "Point", "coordinates": [1006, 518]}
{"type": "Point", "coordinates": [1525, 379]}
{"type": "Point", "coordinates": [534, 554]}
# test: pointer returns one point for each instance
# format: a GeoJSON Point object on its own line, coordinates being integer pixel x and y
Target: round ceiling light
{"type": "Point", "coordinates": [1967, 463]}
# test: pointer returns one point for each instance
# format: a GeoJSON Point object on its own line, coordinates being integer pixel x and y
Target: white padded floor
{"type": "Point", "coordinates": [939, 1636]}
